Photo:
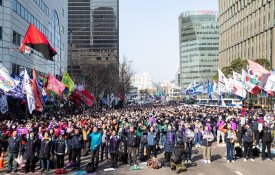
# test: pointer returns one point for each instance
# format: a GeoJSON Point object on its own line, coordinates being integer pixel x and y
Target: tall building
{"type": "Point", "coordinates": [50, 17]}
{"type": "Point", "coordinates": [142, 81]}
{"type": "Point", "coordinates": [246, 30]}
{"type": "Point", "coordinates": [199, 45]}
{"type": "Point", "coordinates": [93, 33]}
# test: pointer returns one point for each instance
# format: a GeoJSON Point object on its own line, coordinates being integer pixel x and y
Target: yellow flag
{"type": "Point", "coordinates": [68, 82]}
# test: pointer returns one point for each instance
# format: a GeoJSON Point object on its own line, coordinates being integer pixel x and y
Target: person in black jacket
{"type": "Point", "coordinates": [14, 149]}
{"type": "Point", "coordinates": [267, 138]}
{"type": "Point", "coordinates": [254, 127]}
{"type": "Point", "coordinates": [60, 147]}
{"type": "Point", "coordinates": [176, 159]}
{"type": "Point", "coordinates": [45, 152]}
{"type": "Point", "coordinates": [248, 142]}
{"type": "Point", "coordinates": [113, 148]}
{"type": "Point", "coordinates": [31, 153]}
{"type": "Point", "coordinates": [132, 146]}
{"type": "Point", "coordinates": [76, 148]}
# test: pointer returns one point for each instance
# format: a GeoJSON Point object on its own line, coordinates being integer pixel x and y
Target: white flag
{"type": "Point", "coordinates": [239, 89]}
{"type": "Point", "coordinates": [27, 89]}
{"type": "Point", "coordinates": [223, 82]}
{"type": "Point", "coordinates": [270, 84]}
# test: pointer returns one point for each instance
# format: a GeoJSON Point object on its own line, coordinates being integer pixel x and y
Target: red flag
{"type": "Point", "coordinates": [37, 40]}
{"type": "Point", "coordinates": [84, 96]}
{"type": "Point", "coordinates": [36, 93]}
{"type": "Point", "coordinates": [54, 85]}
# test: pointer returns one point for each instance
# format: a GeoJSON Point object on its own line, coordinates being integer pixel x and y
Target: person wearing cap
{"type": "Point", "coordinates": [77, 141]}
{"type": "Point", "coordinates": [32, 150]}
{"type": "Point", "coordinates": [267, 137]}
{"type": "Point", "coordinates": [60, 147]}
{"type": "Point", "coordinates": [96, 141]}
{"type": "Point", "coordinates": [248, 142]}
{"type": "Point", "coordinates": [14, 150]}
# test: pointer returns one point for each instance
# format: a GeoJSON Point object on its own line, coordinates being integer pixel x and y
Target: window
{"type": "Point", "coordinates": [18, 8]}
{"type": "Point", "coordinates": [63, 12]}
{"type": "Point", "coordinates": [1, 2]}
{"type": "Point", "coordinates": [22, 12]}
{"type": "Point", "coordinates": [16, 39]}
{"type": "Point", "coordinates": [107, 58]}
{"type": "Point", "coordinates": [14, 5]}
{"type": "Point", "coordinates": [98, 58]}
{"type": "Point", "coordinates": [0, 33]}
{"type": "Point", "coordinates": [62, 29]}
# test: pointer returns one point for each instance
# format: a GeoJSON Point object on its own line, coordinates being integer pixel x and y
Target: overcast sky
{"type": "Point", "coordinates": [149, 35]}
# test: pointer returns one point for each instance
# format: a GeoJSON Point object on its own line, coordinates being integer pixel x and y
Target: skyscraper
{"type": "Point", "coordinates": [93, 34]}
{"type": "Point", "coordinates": [49, 17]}
{"type": "Point", "coordinates": [199, 45]}
{"type": "Point", "coordinates": [246, 30]}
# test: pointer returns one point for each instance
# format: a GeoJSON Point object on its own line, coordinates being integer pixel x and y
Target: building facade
{"type": "Point", "coordinates": [246, 30]}
{"type": "Point", "coordinates": [50, 17]}
{"type": "Point", "coordinates": [142, 81]}
{"type": "Point", "coordinates": [93, 33]}
{"type": "Point", "coordinates": [199, 45]}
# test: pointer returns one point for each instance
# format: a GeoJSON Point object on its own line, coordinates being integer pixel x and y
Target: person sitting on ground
{"type": "Point", "coordinates": [176, 159]}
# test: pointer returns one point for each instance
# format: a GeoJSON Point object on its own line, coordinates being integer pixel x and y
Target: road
{"type": "Point", "coordinates": [217, 167]}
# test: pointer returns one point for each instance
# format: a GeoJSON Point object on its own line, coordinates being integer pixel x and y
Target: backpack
{"type": "Point", "coordinates": [90, 168]}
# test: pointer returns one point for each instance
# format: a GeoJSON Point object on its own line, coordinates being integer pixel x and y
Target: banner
{"type": "Point", "coordinates": [54, 85]}
{"type": "Point", "coordinates": [68, 82]}
{"type": "Point", "coordinates": [3, 103]}
{"type": "Point", "coordinates": [250, 83]}
{"type": "Point", "coordinates": [258, 74]}
{"type": "Point", "coordinates": [189, 89]}
{"type": "Point", "coordinates": [28, 91]}
{"type": "Point", "coordinates": [6, 82]}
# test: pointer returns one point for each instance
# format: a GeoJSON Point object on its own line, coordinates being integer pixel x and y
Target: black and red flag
{"type": "Point", "coordinates": [37, 40]}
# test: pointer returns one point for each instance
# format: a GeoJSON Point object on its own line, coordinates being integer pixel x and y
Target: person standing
{"type": "Point", "coordinates": [220, 130]}
{"type": "Point", "coordinates": [197, 131]}
{"type": "Point", "coordinates": [104, 144]}
{"type": "Point", "coordinates": [151, 143]}
{"type": "Point", "coordinates": [169, 144]}
{"type": "Point", "coordinates": [207, 139]}
{"type": "Point", "coordinates": [31, 153]}
{"type": "Point", "coordinates": [254, 127]}
{"type": "Point", "coordinates": [114, 146]}
{"type": "Point", "coordinates": [132, 146]}
{"type": "Point", "coordinates": [96, 141]}
{"type": "Point", "coordinates": [45, 152]}
{"type": "Point", "coordinates": [60, 147]}
{"type": "Point", "coordinates": [230, 137]}
{"type": "Point", "coordinates": [76, 148]}
{"type": "Point", "coordinates": [14, 150]}
{"type": "Point", "coordinates": [267, 138]}
{"type": "Point", "coordinates": [248, 142]}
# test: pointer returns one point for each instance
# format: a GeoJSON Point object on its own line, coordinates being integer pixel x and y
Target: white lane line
{"type": "Point", "coordinates": [238, 172]}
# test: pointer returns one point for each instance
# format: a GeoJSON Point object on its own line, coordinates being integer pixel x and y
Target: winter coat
{"type": "Point", "coordinates": [60, 146]}
{"type": "Point", "coordinates": [266, 134]}
{"type": "Point", "coordinates": [178, 153]}
{"type": "Point", "coordinates": [151, 138]}
{"type": "Point", "coordinates": [31, 148]}
{"type": "Point", "coordinates": [169, 146]}
{"type": "Point", "coordinates": [131, 139]}
{"type": "Point", "coordinates": [254, 125]}
{"type": "Point", "coordinates": [14, 145]}
{"type": "Point", "coordinates": [207, 138]}
{"type": "Point", "coordinates": [114, 145]}
{"type": "Point", "coordinates": [96, 140]}
{"type": "Point", "coordinates": [76, 141]}
{"type": "Point", "coordinates": [248, 136]}
{"type": "Point", "coordinates": [45, 149]}
{"type": "Point", "coordinates": [229, 136]}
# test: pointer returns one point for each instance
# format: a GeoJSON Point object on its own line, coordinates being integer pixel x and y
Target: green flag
{"type": "Point", "coordinates": [68, 82]}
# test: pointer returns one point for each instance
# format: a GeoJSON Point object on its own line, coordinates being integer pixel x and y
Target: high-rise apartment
{"type": "Point", "coordinates": [246, 30]}
{"type": "Point", "coordinates": [199, 46]}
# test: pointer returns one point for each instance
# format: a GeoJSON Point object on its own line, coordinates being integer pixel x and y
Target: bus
{"type": "Point", "coordinates": [229, 102]}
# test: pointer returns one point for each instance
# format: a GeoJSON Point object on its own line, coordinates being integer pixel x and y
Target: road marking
{"type": "Point", "coordinates": [238, 172]}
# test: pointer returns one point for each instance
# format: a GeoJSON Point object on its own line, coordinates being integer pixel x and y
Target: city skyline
{"type": "Point", "coordinates": [152, 23]}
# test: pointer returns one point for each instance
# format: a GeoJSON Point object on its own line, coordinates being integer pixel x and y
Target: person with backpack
{"type": "Point", "coordinates": [248, 142]}
{"type": "Point", "coordinates": [60, 147]}
{"type": "Point", "coordinates": [113, 149]}
{"type": "Point", "coordinates": [96, 141]}
{"type": "Point", "coordinates": [31, 153]}
{"type": "Point", "coordinates": [132, 146]}
{"type": "Point", "coordinates": [207, 139]}
{"type": "Point", "coordinates": [230, 138]}
{"type": "Point", "coordinates": [267, 137]}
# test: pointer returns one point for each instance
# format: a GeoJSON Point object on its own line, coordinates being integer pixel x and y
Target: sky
{"type": "Point", "coordinates": [149, 34]}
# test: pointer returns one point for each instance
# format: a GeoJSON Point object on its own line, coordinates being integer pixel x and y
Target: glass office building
{"type": "Point", "coordinates": [199, 46]}
{"type": "Point", "coordinates": [49, 17]}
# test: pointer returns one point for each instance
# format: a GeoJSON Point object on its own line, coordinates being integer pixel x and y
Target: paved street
{"type": "Point", "coordinates": [218, 166]}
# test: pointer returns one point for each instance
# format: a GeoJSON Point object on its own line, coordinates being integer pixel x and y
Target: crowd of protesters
{"type": "Point", "coordinates": [134, 134]}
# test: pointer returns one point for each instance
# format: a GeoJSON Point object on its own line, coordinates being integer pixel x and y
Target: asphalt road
{"type": "Point", "coordinates": [217, 167]}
